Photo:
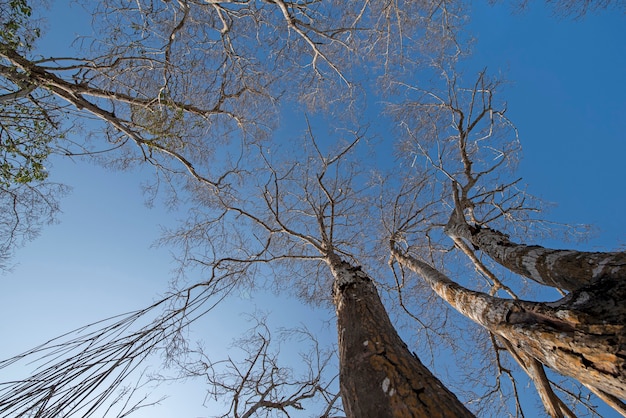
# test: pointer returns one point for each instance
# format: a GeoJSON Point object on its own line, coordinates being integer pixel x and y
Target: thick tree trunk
{"type": "Point", "coordinates": [379, 376]}
{"type": "Point", "coordinates": [582, 335]}
{"type": "Point", "coordinates": [564, 269]}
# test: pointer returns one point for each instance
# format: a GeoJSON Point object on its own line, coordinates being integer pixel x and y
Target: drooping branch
{"type": "Point", "coordinates": [81, 371]}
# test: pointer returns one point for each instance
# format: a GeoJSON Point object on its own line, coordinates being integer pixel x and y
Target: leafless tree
{"type": "Point", "coordinates": [175, 84]}
{"type": "Point", "coordinates": [188, 87]}
{"type": "Point", "coordinates": [306, 223]}
{"type": "Point", "coordinates": [262, 383]}
{"type": "Point", "coordinates": [582, 334]}
{"type": "Point", "coordinates": [302, 225]}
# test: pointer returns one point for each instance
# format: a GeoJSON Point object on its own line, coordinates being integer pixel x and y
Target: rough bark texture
{"type": "Point", "coordinates": [582, 335]}
{"type": "Point", "coordinates": [379, 376]}
{"type": "Point", "coordinates": [564, 269]}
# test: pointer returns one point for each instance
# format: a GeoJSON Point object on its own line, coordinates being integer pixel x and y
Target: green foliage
{"type": "Point", "coordinates": [27, 130]}
{"type": "Point", "coordinates": [26, 138]}
{"type": "Point", "coordinates": [16, 30]}
{"type": "Point", "coordinates": [164, 124]}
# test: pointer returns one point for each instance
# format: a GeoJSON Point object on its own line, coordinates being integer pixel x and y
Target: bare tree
{"type": "Point", "coordinates": [205, 106]}
{"type": "Point", "coordinates": [573, 336]}
{"type": "Point", "coordinates": [262, 383]}
{"type": "Point", "coordinates": [302, 221]}
{"type": "Point", "coordinates": [192, 88]}
{"type": "Point", "coordinates": [188, 86]}
{"type": "Point", "coordinates": [581, 335]}
{"type": "Point", "coordinates": [305, 220]}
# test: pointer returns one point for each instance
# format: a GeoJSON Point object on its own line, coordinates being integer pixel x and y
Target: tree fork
{"type": "Point", "coordinates": [379, 376]}
{"type": "Point", "coordinates": [582, 335]}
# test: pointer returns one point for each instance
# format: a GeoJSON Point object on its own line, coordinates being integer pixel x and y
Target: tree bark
{"type": "Point", "coordinates": [379, 376]}
{"type": "Point", "coordinates": [564, 269]}
{"type": "Point", "coordinates": [583, 335]}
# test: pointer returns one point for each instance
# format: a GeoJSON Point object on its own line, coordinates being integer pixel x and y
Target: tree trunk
{"type": "Point", "coordinates": [379, 376]}
{"type": "Point", "coordinates": [583, 335]}
{"type": "Point", "coordinates": [564, 269]}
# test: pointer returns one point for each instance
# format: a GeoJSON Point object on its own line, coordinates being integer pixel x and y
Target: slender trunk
{"type": "Point", "coordinates": [554, 406]}
{"type": "Point", "coordinates": [582, 335]}
{"type": "Point", "coordinates": [379, 376]}
{"type": "Point", "coordinates": [564, 269]}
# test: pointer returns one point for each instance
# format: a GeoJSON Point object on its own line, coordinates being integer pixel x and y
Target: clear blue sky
{"type": "Point", "coordinates": [566, 97]}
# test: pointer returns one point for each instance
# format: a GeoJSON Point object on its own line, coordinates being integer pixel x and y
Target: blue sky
{"type": "Point", "coordinates": [566, 97]}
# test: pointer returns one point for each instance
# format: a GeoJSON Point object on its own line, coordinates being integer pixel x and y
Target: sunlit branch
{"type": "Point", "coordinates": [532, 324]}
{"type": "Point", "coordinates": [294, 24]}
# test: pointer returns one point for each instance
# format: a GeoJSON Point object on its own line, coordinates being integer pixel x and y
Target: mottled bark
{"type": "Point", "coordinates": [379, 376]}
{"type": "Point", "coordinates": [564, 269]}
{"type": "Point", "coordinates": [583, 335]}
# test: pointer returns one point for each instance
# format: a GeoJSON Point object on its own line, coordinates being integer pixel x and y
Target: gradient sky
{"type": "Point", "coordinates": [566, 97]}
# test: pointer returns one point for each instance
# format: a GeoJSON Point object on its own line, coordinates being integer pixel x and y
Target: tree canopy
{"type": "Point", "coordinates": [265, 121]}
